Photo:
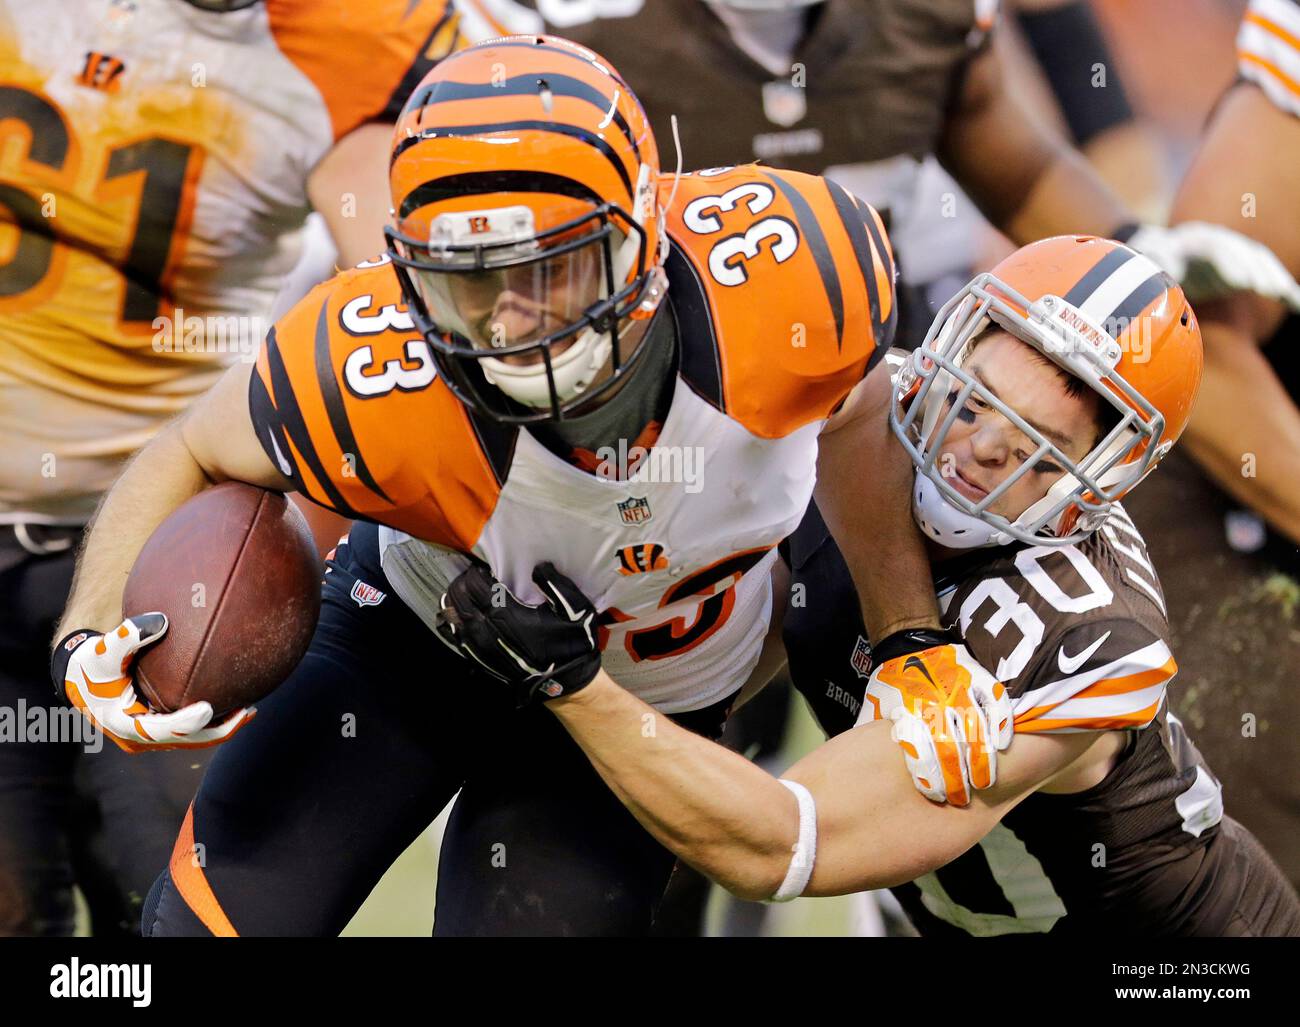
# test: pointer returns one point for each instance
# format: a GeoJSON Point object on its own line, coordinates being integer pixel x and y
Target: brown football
{"type": "Point", "coordinates": [237, 574]}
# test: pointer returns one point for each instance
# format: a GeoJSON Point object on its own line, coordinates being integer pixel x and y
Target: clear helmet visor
{"type": "Point", "coordinates": [503, 307]}
{"type": "Point", "coordinates": [1031, 482]}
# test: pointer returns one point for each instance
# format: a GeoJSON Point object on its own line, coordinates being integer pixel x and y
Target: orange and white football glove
{"type": "Point", "coordinates": [950, 715]}
{"type": "Point", "coordinates": [92, 671]}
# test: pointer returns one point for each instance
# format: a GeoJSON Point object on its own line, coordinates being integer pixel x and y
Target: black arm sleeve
{"type": "Point", "coordinates": [1068, 45]}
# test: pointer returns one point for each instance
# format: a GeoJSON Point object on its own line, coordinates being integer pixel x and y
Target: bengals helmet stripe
{"type": "Point", "coordinates": [821, 251]}
{"type": "Point", "coordinates": [590, 138]}
{"type": "Point", "coordinates": [451, 186]}
{"type": "Point", "coordinates": [534, 44]}
{"type": "Point", "coordinates": [521, 85]}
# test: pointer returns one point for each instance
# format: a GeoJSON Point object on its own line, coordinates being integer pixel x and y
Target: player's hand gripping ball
{"type": "Point", "coordinates": [542, 652]}
{"type": "Point", "coordinates": [950, 715]}
{"type": "Point", "coordinates": [94, 673]}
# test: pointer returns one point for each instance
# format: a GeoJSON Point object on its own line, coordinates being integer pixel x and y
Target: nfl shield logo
{"type": "Point", "coordinates": [860, 661]}
{"type": "Point", "coordinates": [367, 595]}
{"type": "Point", "coordinates": [635, 510]}
{"type": "Point", "coordinates": [783, 103]}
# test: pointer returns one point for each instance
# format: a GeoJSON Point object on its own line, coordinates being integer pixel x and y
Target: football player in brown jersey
{"type": "Point", "coordinates": [157, 160]}
{"type": "Point", "coordinates": [1045, 391]}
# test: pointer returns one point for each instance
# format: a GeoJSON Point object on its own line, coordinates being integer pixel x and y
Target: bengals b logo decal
{"type": "Point", "coordinates": [642, 558]}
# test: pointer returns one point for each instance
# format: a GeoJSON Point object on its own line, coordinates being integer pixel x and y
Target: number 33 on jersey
{"type": "Point", "coordinates": [780, 298]}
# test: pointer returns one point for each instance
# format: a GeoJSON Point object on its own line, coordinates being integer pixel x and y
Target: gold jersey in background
{"type": "Point", "coordinates": [154, 160]}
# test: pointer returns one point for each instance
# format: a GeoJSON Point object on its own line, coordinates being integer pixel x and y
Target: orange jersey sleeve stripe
{"type": "Point", "coordinates": [1130, 682]}
{"type": "Point", "coordinates": [1284, 79]}
{"type": "Point", "coordinates": [1273, 28]}
{"type": "Point", "coordinates": [1121, 722]}
{"type": "Point", "coordinates": [193, 884]}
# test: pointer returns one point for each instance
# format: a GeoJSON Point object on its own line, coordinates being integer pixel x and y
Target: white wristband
{"type": "Point", "coordinates": [805, 849]}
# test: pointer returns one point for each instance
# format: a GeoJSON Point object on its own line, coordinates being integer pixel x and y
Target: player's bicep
{"type": "Point", "coordinates": [875, 830]}
{"type": "Point", "coordinates": [218, 430]}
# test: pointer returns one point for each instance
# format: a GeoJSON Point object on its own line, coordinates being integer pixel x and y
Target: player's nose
{"type": "Point", "coordinates": [989, 445]}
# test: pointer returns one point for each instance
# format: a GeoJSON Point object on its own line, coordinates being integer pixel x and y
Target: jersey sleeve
{"type": "Point", "coordinates": [346, 402]}
{"type": "Point", "coordinates": [796, 278]}
{"type": "Point", "coordinates": [1101, 676]}
{"type": "Point", "coordinates": [1268, 51]}
{"type": "Point", "coordinates": [364, 56]}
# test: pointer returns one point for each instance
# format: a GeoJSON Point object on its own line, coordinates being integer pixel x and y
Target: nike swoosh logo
{"type": "Point", "coordinates": [919, 664]}
{"type": "Point", "coordinates": [1069, 664]}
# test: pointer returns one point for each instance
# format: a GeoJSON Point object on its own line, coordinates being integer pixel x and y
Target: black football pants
{"type": "Point", "coordinates": [100, 819]}
{"type": "Point", "coordinates": [359, 750]}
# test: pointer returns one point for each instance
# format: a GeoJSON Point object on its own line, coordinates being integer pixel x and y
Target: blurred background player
{"type": "Point", "coordinates": [157, 161]}
{"type": "Point", "coordinates": [1232, 574]}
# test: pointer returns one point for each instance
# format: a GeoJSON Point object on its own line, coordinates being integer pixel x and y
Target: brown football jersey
{"type": "Point", "coordinates": [872, 79]}
{"type": "Point", "coordinates": [1080, 638]}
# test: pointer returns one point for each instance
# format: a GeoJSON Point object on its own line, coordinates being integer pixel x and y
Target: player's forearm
{"type": "Point", "coordinates": [722, 814]}
{"type": "Point", "coordinates": [864, 489]}
{"type": "Point", "coordinates": [155, 483]}
{"type": "Point", "coordinates": [1022, 175]}
{"type": "Point", "coordinates": [1069, 197]}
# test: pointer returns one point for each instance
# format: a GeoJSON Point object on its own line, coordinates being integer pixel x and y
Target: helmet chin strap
{"type": "Point", "coordinates": [573, 370]}
{"type": "Point", "coordinates": [945, 524]}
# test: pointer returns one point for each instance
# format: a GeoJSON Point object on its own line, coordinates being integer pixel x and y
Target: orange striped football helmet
{"type": "Point", "coordinates": [526, 230]}
{"type": "Point", "coordinates": [1106, 315]}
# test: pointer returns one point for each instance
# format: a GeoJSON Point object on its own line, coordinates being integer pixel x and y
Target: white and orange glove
{"type": "Point", "coordinates": [1210, 261]}
{"type": "Point", "coordinates": [92, 671]}
{"type": "Point", "coordinates": [950, 715]}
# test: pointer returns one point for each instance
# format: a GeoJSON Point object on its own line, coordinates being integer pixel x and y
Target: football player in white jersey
{"type": "Point", "coordinates": [565, 353]}
{"type": "Point", "coordinates": [1045, 391]}
{"type": "Point", "coordinates": [158, 159]}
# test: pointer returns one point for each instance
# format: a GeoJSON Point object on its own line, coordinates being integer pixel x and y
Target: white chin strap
{"type": "Point", "coordinates": [945, 524]}
{"type": "Point", "coordinates": [573, 370]}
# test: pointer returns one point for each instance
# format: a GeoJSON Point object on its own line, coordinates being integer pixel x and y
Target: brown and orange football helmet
{"type": "Point", "coordinates": [1106, 315]}
{"type": "Point", "coordinates": [526, 228]}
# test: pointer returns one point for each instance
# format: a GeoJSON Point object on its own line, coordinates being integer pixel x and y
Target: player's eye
{"type": "Point", "coordinates": [978, 405]}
